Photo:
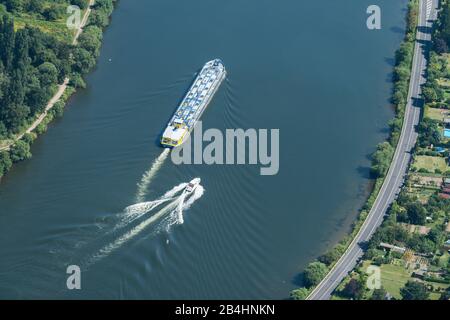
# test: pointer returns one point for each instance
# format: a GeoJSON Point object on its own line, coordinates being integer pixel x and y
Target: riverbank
{"type": "Point", "coordinates": [411, 248]}
{"type": "Point", "coordinates": [9, 151]}
{"type": "Point", "coordinates": [382, 162]}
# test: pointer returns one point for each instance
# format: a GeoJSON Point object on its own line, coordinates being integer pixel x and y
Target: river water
{"type": "Point", "coordinates": [310, 68]}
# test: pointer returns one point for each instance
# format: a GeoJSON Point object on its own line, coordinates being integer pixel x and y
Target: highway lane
{"type": "Point", "coordinates": [399, 166]}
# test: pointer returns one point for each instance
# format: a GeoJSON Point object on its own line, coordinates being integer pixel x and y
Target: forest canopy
{"type": "Point", "coordinates": [35, 59]}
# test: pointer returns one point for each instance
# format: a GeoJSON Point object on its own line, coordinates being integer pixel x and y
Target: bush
{"type": "Point", "coordinates": [5, 163]}
{"type": "Point", "coordinates": [332, 255]}
{"type": "Point", "coordinates": [53, 13]}
{"type": "Point", "coordinates": [20, 151]}
{"type": "Point", "coordinates": [379, 294]}
{"type": "Point", "coordinates": [77, 81]}
{"type": "Point", "coordinates": [90, 40]}
{"type": "Point", "coordinates": [29, 138]}
{"type": "Point", "coordinates": [354, 289]}
{"type": "Point", "coordinates": [414, 291]}
{"type": "Point", "coordinates": [429, 133]}
{"type": "Point", "coordinates": [58, 109]}
{"type": "Point", "coordinates": [3, 131]}
{"type": "Point", "coordinates": [314, 273]}
{"type": "Point", "coordinates": [381, 159]}
{"type": "Point", "coordinates": [82, 4]}
{"type": "Point", "coordinates": [299, 294]}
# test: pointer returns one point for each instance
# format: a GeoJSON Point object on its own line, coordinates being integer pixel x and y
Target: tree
{"type": "Point", "coordinates": [427, 246]}
{"type": "Point", "coordinates": [20, 151]}
{"type": "Point", "coordinates": [48, 74]}
{"type": "Point", "coordinates": [7, 38]}
{"type": "Point", "coordinates": [97, 18]}
{"type": "Point", "coordinates": [14, 5]}
{"type": "Point", "coordinates": [35, 6]}
{"type": "Point", "coordinates": [105, 7]}
{"type": "Point", "coordinates": [54, 12]}
{"type": "Point", "coordinates": [28, 137]}
{"type": "Point", "coordinates": [82, 4]}
{"type": "Point", "coordinates": [445, 295]}
{"type": "Point", "coordinates": [3, 130]}
{"type": "Point", "coordinates": [91, 39]}
{"type": "Point", "coordinates": [379, 294]}
{"type": "Point", "coordinates": [77, 81]}
{"type": "Point", "coordinates": [83, 61]}
{"type": "Point", "coordinates": [314, 273]}
{"type": "Point", "coordinates": [416, 213]}
{"type": "Point", "coordinates": [430, 94]}
{"type": "Point", "coordinates": [444, 21]}
{"type": "Point", "coordinates": [354, 289]}
{"type": "Point", "coordinates": [381, 159]}
{"type": "Point", "coordinates": [58, 109]}
{"type": "Point", "coordinates": [5, 162]}
{"type": "Point", "coordinates": [402, 72]}
{"type": "Point", "coordinates": [414, 291]}
{"type": "Point", "coordinates": [412, 17]}
{"type": "Point", "coordinates": [300, 294]}
{"type": "Point", "coordinates": [440, 46]}
{"type": "Point", "coordinates": [332, 255]}
{"type": "Point", "coordinates": [428, 132]}
{"type": "Point", "coordinates": [437, 236]}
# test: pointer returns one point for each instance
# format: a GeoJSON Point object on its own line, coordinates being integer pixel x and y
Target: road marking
{"type": "Point", "coordinates": [429, 7]}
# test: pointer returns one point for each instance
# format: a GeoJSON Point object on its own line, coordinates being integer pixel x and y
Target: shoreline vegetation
{"type": "Point", "coordinates": [317, 270]}
{"type": "Point", "coordinates": [43, 63]}
{"type": "Point", "coordinates": [411, 249]}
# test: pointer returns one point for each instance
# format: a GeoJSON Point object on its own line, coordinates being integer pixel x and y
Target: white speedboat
{"type": "Point", "coordinates": [192, 185]}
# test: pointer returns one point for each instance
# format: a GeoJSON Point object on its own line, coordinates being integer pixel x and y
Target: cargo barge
{"type": "Point", "coordinates": [194, 104]}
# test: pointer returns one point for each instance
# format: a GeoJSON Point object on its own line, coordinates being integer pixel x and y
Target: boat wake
{"type": "Point", "coordinates": [137, 210]}
{"type": "Point", "coordinates": [175, 201]}
{"type": "Point", "coordinates": [150, 174]}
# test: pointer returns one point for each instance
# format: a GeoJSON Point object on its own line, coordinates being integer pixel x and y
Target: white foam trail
{"type": "Point", "coordinates": [135, 211]}
{"type": "Point", "coordinates": [172, 211]}
{"type": "Point", "coordinates": [148, 176]}
{"type": "Point", "coordinates": [179, 210]}
{"type": "Point", "coordinates": [132, 233]}
{"type": "Point", "coordinates": [174, 191]}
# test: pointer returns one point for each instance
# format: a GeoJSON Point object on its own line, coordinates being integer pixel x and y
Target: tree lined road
{"type": "Point", "coordinates": [400, 162]}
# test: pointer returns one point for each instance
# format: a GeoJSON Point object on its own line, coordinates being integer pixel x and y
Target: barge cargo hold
{"type": "Point", "coordinates": [194, 104]}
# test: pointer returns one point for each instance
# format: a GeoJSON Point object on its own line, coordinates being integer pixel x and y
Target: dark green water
{"type": "Point", "coordinates": [310, 68]}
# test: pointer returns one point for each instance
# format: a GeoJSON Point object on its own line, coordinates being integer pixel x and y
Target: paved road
{"type": "Point", "coordinates": [396, 174]}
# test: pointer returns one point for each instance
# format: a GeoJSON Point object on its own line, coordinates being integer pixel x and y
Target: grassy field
{"type": "Point", "coordinates": [430, 163]}
{"type": "Point", "coordinates": [57, 28]}
{"type": "Point", "coordinates": [393, 278]}
{"type": "Point", "coordinates": [443, 260]}
{"type": "Point", "coordinates": [436, 114]}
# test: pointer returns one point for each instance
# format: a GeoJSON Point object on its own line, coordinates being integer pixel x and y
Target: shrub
{"type": "Point", "coordinates": [5, 163]}
{"type": "Point", "coordinates": [20, 151]}
{"type": "Point", "coordinates": [299, 294]}
{"type": "Point", "coordinates": [314, 273]}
